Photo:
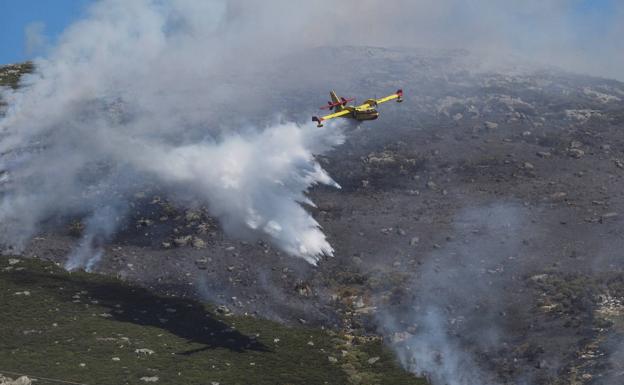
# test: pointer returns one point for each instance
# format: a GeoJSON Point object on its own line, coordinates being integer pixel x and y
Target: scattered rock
{"type": "Point", "coordinates": [372, 360]}
{"type": "Point", "coordinates": [183, 241]}
{"type": "Point", "coordinates": [431, 185]}
{"type": "Point", "coordinates": [303, 289]}
{"type": "Point", "coordinates": [331, 359]}
{"type": "Point", "coordinates": [544, 154]}
{"type": "Point", "coordinates": [144, 222]}
{"type": "Point", "coordinates": [539, 277]}
{"type": "Point", "coordinates": [23, 380]}
{"type": "Point", "coordinates": [358, 303]}
{"type": "Point", "coordinates": [222, 309]}
{"type": "Point", "coordinates": [14, 261]}
{"type": "Point", "coordinates": [400, 337]}
{"type": "Point", "coordinates": [414, 241]}
{"type": "Point", "coordinates": [386, 230]}
{"type": "Point", "coordinates": [366, 310]}
{"type": "Point", "coordinates": [203, 228]}
{"type": "Point", "coordinates": [201, 263]}
{"type": "Point", "coordinates": [576, 153]}
{"type": "Point", "coordinates": [144, 352]}
{"type": "Point", "coordinates": [608, 216]}
{"type": "Point", "coordinates": [490, 125]}
{"type": "Point", "coordinates": [199, 243]}
{"type": "Point", "coordinates": [380, 159]}
{"type": "Point", "coordinates": [192, 216]}
{"type": "Point", "coordinates": [149, 379]}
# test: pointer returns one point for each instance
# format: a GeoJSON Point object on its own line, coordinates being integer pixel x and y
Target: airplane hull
{"type": "Point", "coordinates": [365, 115]}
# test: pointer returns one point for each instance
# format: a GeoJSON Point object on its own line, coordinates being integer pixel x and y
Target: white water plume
{"type": "Point", "coordinates": [147, 92]}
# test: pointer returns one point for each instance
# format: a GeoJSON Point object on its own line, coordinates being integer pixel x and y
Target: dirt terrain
{"type": "Point", "coordinates": [490, 199]}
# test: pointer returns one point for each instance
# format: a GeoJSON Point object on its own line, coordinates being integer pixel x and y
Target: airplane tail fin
{"type": "Point", "coordinates": [338, 102]}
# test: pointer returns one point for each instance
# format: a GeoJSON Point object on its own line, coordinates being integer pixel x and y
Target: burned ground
{"type": "Point", "coordinates": [510, 178]}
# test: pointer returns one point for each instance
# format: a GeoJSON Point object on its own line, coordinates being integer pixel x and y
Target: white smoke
{"type": "Point", "coordinates": [100, 227]}
{"type": "Point", "coordinates": [143, 92]}
{"type": "Point", "coordinates": [457, 304]}
{"type": "Point", "coordinates": [35, 38]}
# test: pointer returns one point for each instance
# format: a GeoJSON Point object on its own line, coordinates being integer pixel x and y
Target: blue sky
{"type": "Point", "coordinates": [594, 17]}
{"type": "Point", "coordinates": [585, 20]}
{"type": "Point", "coordinates": [15, 15]}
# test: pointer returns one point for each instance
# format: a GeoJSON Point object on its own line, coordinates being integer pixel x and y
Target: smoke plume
{"type": "Point", "coordinates": [460, 303]}
{"type": "Point", "coordinates": [147, 92]}
{"type": "Point", "coordinates": [174, 92]}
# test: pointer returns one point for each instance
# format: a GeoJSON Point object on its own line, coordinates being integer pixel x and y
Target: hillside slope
{"type": "Point", "coordinates": [91, 329]}
{"type": "Point", "coordinates": [478, 228]}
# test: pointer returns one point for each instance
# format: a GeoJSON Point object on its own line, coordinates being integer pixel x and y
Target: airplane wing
{"type": "Point", "coordinates": [330, 116]}
{"type": "Point", "coordinates": [373, 102]}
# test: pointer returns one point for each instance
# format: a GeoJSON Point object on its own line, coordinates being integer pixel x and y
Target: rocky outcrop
{"type": "Point", "coordinates": [23, 380]}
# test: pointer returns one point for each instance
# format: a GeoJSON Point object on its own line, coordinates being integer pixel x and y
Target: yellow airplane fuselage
{"type": "Point", "coordinates": [366, 111]}
{"type": "Point", "coordinates": [361, 114]}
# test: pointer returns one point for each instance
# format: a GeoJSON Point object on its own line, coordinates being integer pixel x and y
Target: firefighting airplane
{"type": "Point", "coordinates": [366, 111]}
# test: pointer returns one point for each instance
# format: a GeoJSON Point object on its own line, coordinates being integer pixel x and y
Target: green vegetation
{"type": "Point", "coordinates": [93, 329]}
{"type": "Point", "coordinates": [10, 74]}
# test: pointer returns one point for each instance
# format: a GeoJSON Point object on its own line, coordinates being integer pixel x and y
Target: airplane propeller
{"type": "Point", "coordinates": [342, 102]}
